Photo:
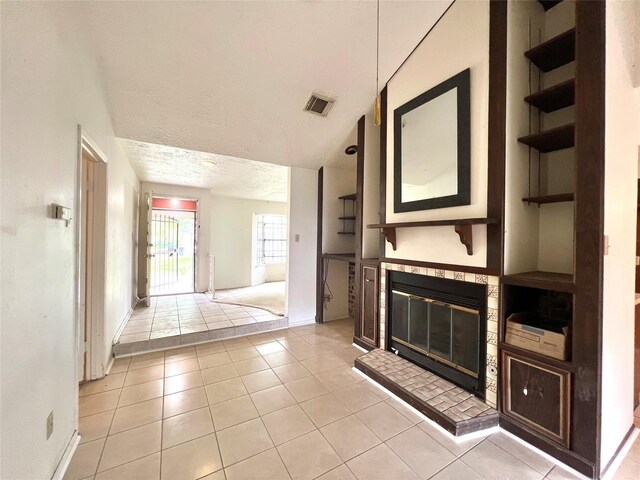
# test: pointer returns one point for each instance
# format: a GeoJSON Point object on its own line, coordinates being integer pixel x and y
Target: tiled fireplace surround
{"type": "Point", "coordinates": [493, 293]}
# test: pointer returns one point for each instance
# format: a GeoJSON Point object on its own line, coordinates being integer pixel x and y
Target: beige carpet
{"type": "Point", "coordinates": [268, 296]}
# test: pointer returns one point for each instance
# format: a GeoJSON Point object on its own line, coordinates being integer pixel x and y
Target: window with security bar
{"type": "Point", "coordinates": [271, 239]}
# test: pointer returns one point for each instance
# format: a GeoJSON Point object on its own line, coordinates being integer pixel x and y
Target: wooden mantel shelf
{"type": "Point", "coordinates": [462, 227]}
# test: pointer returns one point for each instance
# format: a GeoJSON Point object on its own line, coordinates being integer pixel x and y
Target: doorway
{"type": "Point", "coordinates": [173, 230]}
{"type": "Point", "coordinates": [90, 233]}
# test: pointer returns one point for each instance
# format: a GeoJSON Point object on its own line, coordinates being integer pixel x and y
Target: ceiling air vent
{"type": "Point", "coordinates": [319, 104]}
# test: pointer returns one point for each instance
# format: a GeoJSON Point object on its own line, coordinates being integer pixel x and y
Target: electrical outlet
{"type": "Point", "coordinates": [297, 237]}
{"type": "Point", "coordinates": [50, 425]}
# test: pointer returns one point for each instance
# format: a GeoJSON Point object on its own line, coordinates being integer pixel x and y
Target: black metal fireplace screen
{"type": "Point", "coordinates": [440, 324]}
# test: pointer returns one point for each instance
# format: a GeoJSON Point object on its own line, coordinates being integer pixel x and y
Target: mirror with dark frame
{"type": "Point", "coordinates": [432, 148]}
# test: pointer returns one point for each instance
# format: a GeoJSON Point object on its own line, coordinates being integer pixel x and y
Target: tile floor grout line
{"type": "Point", "coordinates": [355, 456]}
{"type": "Point", "coordinates": [104, 445]}
{"type": "Point", "coordinates": [125, 463]}
{"type": "Point", "coordinates": [164, 356]}
{"type": "Point", "coordinates": [250, 456]}
{"type": "Point", "coordinates": [517, 458]}
{"type": "Point", "coordinates": [213, 425]}
{"type": "Point", "coordinates": [468, 451]}
{"type": "Point", "coordinates": [274, 444]}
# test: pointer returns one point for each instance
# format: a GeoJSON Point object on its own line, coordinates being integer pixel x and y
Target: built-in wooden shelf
{"type": "Point", "coordinates": [351, 196]}
{"type": "Point", "coordinates": [549, 4]}
{"type": "Point", "coordinates": [342, 257]}
{"type": "Point", "coordinates": [554, 53]}
{"type": "Point", "coordinates": [552, 139]}
{"type": "Point", "coordinates": [563, 364]}
{"type": "Point", "coordinates": [462, 227]}
{"type": "Point", "coordinates": [347, 218]}
{"type": "Point", "coordinates": [543, 199]}
{"type": "Point", "coordinates": [554, 98]}
{"type": "Point", "coordinates": [346, 233]}
{"type": "Point", "coordinates": [558, 282]}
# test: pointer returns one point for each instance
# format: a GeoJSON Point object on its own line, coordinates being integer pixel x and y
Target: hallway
{"type": "Point", "coordinates": [277, 405]}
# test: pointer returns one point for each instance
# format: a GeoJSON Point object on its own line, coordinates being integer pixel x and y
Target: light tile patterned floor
{"type": "Point", "coordinates": [277, 405]}
{"type": "Point", "coordinates": [180, 314]}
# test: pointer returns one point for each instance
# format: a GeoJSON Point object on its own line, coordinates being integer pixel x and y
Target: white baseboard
{"type": "Point", "coordinates": [110, 364]}
{"type": "Point", "coordinates": [64, 462]}
{"type": "Point", "coordinates": [299, 323]}
{"type": "Point", "coordinates": [616, 461]}
{"type": "Point", "coordinates": [123, 324]}
{"type": "Point", "coordinates": [336, 318]}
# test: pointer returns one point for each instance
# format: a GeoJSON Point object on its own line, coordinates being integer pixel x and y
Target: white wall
{"type": "Point", "coordinates": [203, 218]}
{"type": "Point", "coordinates": [232, 234]}
{"type": "Point", "coordinates": [50, 84]}
{"type": "Point", "coordinates": [121, 243]}
{"type": "Point", "coordinates": [460, 40]}
{"type": "Point", "coordinates": [371, 193]}
{"type": "Point", "coordinates": [301, 272]}
{"type": "Point", "coordinates": [621, 155]}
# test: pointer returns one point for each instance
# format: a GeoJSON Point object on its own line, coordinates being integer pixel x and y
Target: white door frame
{"type": "Point", "coordinates": [196, 238]}
{"type": "Point", "coordinates": [96, 343]}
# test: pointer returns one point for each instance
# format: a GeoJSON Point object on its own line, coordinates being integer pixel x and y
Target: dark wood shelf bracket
{"type": "Point", "coordinates": [465, 233]}
{"type": "Point", "coordinates": [390, 235]}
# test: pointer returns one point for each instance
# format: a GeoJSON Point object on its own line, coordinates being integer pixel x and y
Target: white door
{"type": "Point", "coordinates": [149, 254]}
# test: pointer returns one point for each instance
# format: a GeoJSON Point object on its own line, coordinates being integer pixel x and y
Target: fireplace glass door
{"type": "Point", "coordinates": [446, 333]}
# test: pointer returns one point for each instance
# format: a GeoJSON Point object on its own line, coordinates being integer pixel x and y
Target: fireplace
{"type": "Point", "coordinates": [440, 324]}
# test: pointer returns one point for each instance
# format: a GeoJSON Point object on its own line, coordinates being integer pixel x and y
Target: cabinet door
{"type": "Point", "coordinates": [537, 395]}
{"type": "Point", "coordinates": [369, 305]}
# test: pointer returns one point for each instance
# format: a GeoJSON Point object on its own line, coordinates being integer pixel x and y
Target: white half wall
{"type": "Point", "coordinates": [459, 41]}
{"type": "Point", "coordinates": [51, 83]}
{"type": "Point", "coordinates": [622, 142]}
{"type": "Point", "coordinates": [232, 235]}
{"type": "Point", "coordinates": [203, 219]}
{"type": "Point", "coordinates": [301, 272]}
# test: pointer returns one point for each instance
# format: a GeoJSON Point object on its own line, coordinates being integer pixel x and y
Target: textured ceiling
{"type": "Point", "coordinates": [232, 77]}
{"type": "Point", "coordinates": [229, 176]}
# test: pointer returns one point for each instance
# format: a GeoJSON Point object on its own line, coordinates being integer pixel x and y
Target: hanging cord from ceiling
{"type": "Point", "coordinates": [377, 115]}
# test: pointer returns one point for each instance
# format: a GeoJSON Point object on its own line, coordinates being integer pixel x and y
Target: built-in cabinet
{"type": "Point", "coordinates": [538, 395]}
{"type": "Point", "coordinates": [553, 226]}
{"type": "Point", "coordinates": [369, 321]}
{"type": "Point", "coordinates": [363, 289]}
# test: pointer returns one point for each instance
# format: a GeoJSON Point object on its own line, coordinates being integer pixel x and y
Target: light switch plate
{"type": "Point", "coordinates": [61, 213]}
